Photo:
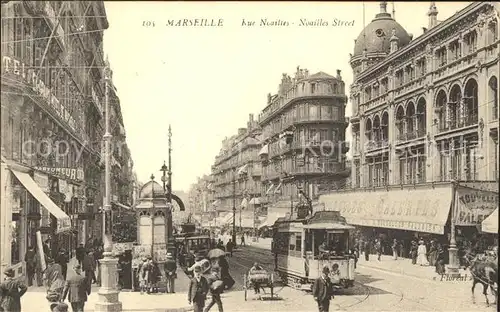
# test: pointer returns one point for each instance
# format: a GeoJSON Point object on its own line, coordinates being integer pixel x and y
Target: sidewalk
{"type": "Point", "coordinates": [402, 266]}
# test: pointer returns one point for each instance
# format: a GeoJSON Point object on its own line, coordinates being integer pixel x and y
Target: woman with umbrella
{"type": "Point", "coordinates": [219, 259]}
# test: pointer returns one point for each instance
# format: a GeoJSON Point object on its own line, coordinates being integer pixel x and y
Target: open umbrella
{"type": "Point", "coordinates": [216, 253]}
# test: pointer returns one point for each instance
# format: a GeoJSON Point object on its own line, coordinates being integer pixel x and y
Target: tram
{"type": "Point", "coordinates": [298, 249]}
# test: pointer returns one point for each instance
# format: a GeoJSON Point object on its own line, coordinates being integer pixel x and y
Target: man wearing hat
{"type": "Point", "coordinates": [170, 272]}
{"type": "Point", "coordinates": [59, 307]}
{"type": "Point", "coordinates": [77, 289]}
{"type": "Point", "coordinates": [198, 289]}
{"type": "Point", "coordinates": [11, 291]}
{"type": "Point", "coordinates": [323, 290]}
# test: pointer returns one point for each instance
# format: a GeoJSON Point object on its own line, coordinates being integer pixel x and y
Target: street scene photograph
{"type": "Point", "coordinates": [171, 156]}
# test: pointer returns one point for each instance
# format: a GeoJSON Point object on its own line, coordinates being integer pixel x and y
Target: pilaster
{"type": "Point", "coordinates": [362, 143]}
{"type": "Point", "coordinates": [393, 161]}
{"type": "Point", "coordinates": [5, 216]}
{"type": "Point", "coordinates": [484, 148]}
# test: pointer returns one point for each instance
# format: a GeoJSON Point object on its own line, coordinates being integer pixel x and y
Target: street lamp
{"type": "Point", "coordinates": [234, 206]}
{"type": "Point", "coordinates": [164, 169]}
{"type": "Point", "coordinates": [153, 212]}
{"type": "Point", "coordinates": [108, 293]}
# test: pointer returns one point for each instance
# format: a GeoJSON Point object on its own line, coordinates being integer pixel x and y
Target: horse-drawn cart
{"type": "Point", "coordinates": [261, 279]}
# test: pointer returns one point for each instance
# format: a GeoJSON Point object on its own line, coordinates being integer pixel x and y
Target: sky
{"type": "Point", "coordinates": [205, 81]}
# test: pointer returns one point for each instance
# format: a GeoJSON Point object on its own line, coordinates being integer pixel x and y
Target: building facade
{"type": "Point", "coordinates": [52, 125]}
{"type": "Point", "coordinates": [425, 113]}
{"type": "Point", "coordinates": [303, 133]}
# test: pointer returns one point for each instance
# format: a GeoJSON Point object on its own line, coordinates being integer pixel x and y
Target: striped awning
{"type": "Point", "coordinates": [269, 189]}
{"type": "Point", "coordinates": [264, 150]}
{"type": "Point", "coordinates": [255, 201]}
{"type": "Point", "coordinates": [243, 169]}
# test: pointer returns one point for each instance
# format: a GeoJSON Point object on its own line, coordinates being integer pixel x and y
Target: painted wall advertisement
{"type": "Point", "coordinates": [474, 205]}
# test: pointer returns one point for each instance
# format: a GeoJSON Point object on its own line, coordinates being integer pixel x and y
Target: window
{"type": "Point", "coordinates": [410, 73]}
{"type": "Point", "coordinates": [412, 166]}
{"type": "Point", "coordinates": [399, 78]}
{"type": "Point", "coordinates": [421, 67]}
{"type": "Point", "coordinates": [441, 56]}
{"type": "Point", "coordinates": [18, 36]}
{"type": "Point", "coordinates": [455, 50]}
{"type": "Point", "coordinates": [298, 242]}
{"type": "Point", "coordinates": [357, 182]}
{"type": "Point", "coordinates": [313, 88]}
{"type": "Point", "coordinates": [471, 41]}
{"type": "Point", "coordinates": [335, 113]}
{"type": "Point", "coordinates": [313, 111]}
{"type": "Point", "coordinates": [492, 32]}
{"type": "Point", "coordinates": [378, 171]}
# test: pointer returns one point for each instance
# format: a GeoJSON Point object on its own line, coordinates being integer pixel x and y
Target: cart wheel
{"type": "Point", "coordinates": [245, 285]}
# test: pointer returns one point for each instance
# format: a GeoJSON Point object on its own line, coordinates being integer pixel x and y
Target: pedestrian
{"type": "Point", "coordinates": [77, 290]}
{"type": "Point", "coordinates": [253, 270]}
{"type": "Point", "coordinates": [367, 249]}
{"type": "Point", "coordinates": [88, 267]}
{"type": "Point", "coordinates": [378, 248]}
{"type": "Point", "coordinates": [323, 290]}
{"type": "Point", "coordinates": [243, 239]}
{"type": "Point", "coordinates": [422, 254]}
{"type": "Point", "coordinates": [229, 247]}
{"type": "Point", "coordinates": [395, 249]}
{"type": "Point", "coordinates": [54, 281]}
{"type": "Point", "coordinates": [62, 259]}
{"type": "Point", "coordinates": [216, 288]}
{"type": "Point", "coordinates": [413, 252]}
{"type": "Point", "coordinates": [198, 289]}
{"type": "Point", "coordinates": [11, 291]}
{"type": "Point", "coordinates": [80, 253]}
{"type": "Point", "coordinates": [171, 273]}
{"type": "Point", "coordinates": [440, 259]}
{"type": "Point", "coordinates": [31, 263]}
{"type": "Point", "coordinates": [143, 275]}
{"type": "Point", "coordinates": [433, 253]}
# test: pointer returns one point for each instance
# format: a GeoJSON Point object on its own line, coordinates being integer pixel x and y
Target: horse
{"type": "Point", "coordinates": [484, 272]}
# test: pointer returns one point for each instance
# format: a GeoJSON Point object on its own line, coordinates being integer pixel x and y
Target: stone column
{"type": "Point", "coordinates": [5, 216]}
{"type": "Point", "coordinates": [393, 160]}
{"type": "Point", "coordinates": [362, 160]}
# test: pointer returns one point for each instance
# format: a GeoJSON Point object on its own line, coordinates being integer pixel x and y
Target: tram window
{"type": "Point", "coordinates": [308, 243]}
{"type": "Point", "coordinates": [292, 241]}
{"type": "Point", "coordinates": [298, 242]}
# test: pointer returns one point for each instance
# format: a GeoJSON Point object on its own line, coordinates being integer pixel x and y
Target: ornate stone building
{"type": "Point", "coordinates": [52, 124]}
{"type": "Point", "coordinates": [237, 173]}
{"type": "Point", "coordinates": [425, 113]}
{"type": "Point", "coordinates": [304, 146]}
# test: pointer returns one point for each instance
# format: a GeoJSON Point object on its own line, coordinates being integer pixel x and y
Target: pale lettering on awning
{"type": "Point", "coordinates": [421, 210]}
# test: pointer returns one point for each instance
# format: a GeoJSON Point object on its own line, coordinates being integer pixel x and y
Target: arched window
{"type": "Point", "coordinates": [493, 96]}
{"type": "Point", "coordinates": [421, 118]}
{"type": "Point", "coordinates": [410, 120]}
{"type": "Point", "coordinates": [440, 109]}
{"type": "Point", "coordinates": [492, 31]}
{"type": "Point", "coordinates": [385, 127]}
{"type": "Point", "coordinates": [470, 105]}
{"type": "Point", "coordinates": [453, 108]}
{"type": "Point", "coordinates": [376, 130]}
{"type": "Point", "coordinates": [400, 124]}
{"type": "Point", "coordinates": [368, 130]}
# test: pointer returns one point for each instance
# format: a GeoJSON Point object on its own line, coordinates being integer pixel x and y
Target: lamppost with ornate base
{"type": "Point", "coordinates": [108, 293]}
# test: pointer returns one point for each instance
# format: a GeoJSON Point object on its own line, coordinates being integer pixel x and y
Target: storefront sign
{"type": "Point", "coordinates": [473, 205]}
{"type": "Point", "coordinates": [13, 66]}
{"type": "Point", "coordinates": [75, 174]}
{"type": "Point", "coordinates": [422, 210]}
{"type": "Point", "coordinates": [42, 180]}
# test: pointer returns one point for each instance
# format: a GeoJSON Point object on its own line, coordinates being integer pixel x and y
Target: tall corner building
{"type": "Point", "coordinates": [303, 136]}
{"type": "Point", "coordinates": [424, 126]}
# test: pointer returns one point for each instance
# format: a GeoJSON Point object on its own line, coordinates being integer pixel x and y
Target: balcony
{"type": "Point", "coordinates": [412, 135]}
{"type": "Point", "coordinates": [458, 123]}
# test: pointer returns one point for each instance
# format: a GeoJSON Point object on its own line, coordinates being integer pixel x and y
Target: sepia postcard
{"type": "Point", "coordinates": [249, 156]}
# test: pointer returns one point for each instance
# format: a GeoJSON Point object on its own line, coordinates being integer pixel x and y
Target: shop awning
{"type": "Point", "coordinates": [271, 218]}
{"type": "Point", "coordinates": [278, 188]}
{"type": "Point", "coordinates": [63, 220]}
{"type": "Point", "coordinates": [490, 224]}
{"type": "Point", "coordinates": [243, 170]}
{"type": "Point", "coordinates": [420, 210]}
{"type": "Point", "coordinates": [121, 205]}
{"type": "Point", "coordinates": [269, 189]}
{"type": "Point", "coordinates": [255, 201]}
{"type": "Point", "coordinates": [264, 150]}
{"type": "Point", "coordinates": [244, 203]}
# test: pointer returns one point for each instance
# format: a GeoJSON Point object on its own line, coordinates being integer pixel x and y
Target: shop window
{"type": "Point", "coordinates": [15, 241]}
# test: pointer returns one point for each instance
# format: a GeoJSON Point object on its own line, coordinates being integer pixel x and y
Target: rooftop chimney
{"type": "Point", "coordinates": [338, 74]}
{"type": "Point", "coordinates": [433, 12]}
